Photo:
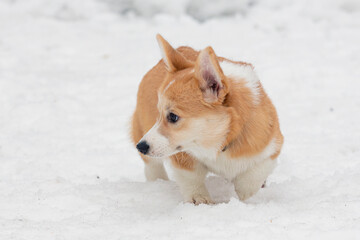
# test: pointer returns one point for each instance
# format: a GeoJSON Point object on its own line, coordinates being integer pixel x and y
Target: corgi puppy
{"type": "Point", "coordinates": [205, 113]}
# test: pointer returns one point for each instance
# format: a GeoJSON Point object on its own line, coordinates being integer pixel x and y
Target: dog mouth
{"type": "Point", "coordinates": [154, 155]}
{"type": "Point", "coordinates": [163, 153]}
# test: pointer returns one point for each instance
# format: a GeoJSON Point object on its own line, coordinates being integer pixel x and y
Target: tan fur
{"type": "Point", "coordinates": [251, 127]}
{"type": "Point", "coordinates": [183, 161]}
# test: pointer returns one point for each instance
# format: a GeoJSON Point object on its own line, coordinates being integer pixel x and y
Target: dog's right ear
{"type": "Point", "coordinates": [173, 59]}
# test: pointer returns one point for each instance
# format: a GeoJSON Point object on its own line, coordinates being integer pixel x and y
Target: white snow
{"type": "Point", "coordinates": [69, 72]}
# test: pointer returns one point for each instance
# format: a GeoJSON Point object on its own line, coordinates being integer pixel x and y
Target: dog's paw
{"type": "Point", "coordinates": [200, 199]}
{"type": "Point", "coordinates": [245, 192]}
{"type": "Point", "coordinates": [245, 195]}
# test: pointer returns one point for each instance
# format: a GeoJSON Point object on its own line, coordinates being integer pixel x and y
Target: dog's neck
{"type": "Point", "coordinates": [239, 107]}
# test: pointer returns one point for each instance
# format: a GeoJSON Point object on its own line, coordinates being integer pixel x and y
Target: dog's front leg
{"type": "Point", "coordinates": [154, 169]}
{"type": "Point", "coordinates": [192, 183]}
{"type": "Point", "coordinates": [249, 182]}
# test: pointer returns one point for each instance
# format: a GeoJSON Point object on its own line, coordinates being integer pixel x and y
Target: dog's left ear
{"type": "Point", "coordinates": [210, 76]}
{"type": "Point", "coordinates": [173, 59]}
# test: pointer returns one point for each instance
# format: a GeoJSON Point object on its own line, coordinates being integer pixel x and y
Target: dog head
{"type": "Point", "coordinates": [193, 116]}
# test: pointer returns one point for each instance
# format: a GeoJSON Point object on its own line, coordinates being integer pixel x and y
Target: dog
{"type": "Point", "coordinates": [205, 113]}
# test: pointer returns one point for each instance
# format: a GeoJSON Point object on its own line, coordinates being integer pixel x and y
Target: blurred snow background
{"type": "Point", "coordinates": [69, 72]}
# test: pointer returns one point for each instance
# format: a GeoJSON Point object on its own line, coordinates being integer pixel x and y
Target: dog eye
{"type": "Point", "coordinates": [172, 118]}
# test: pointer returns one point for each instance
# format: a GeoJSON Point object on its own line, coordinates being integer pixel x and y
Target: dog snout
{"type": "Point", "coordinates": [143, 147]}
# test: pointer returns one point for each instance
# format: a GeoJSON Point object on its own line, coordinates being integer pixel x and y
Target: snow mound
{"type": "Point", "coordinates": [198, 9]}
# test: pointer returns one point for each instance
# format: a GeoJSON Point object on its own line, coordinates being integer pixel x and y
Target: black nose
{"type": "Point", "coordinates": [143, 147]}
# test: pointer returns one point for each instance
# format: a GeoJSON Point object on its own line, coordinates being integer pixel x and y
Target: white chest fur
{"type": "Point", "coordinates": [231, 167]}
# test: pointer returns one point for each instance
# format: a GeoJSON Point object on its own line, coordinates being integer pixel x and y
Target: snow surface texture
{"type": "Point", "coordinates": [69, 72]}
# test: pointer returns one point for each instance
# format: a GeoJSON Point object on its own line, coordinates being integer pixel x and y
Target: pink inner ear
{"type": "Point", "coordinates": [209, 75]}
{"type": "Point", "coordinates": [210, 79]}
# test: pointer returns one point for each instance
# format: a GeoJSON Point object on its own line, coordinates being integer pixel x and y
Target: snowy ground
{"type": "Point", "coordinates": [69, 72]}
